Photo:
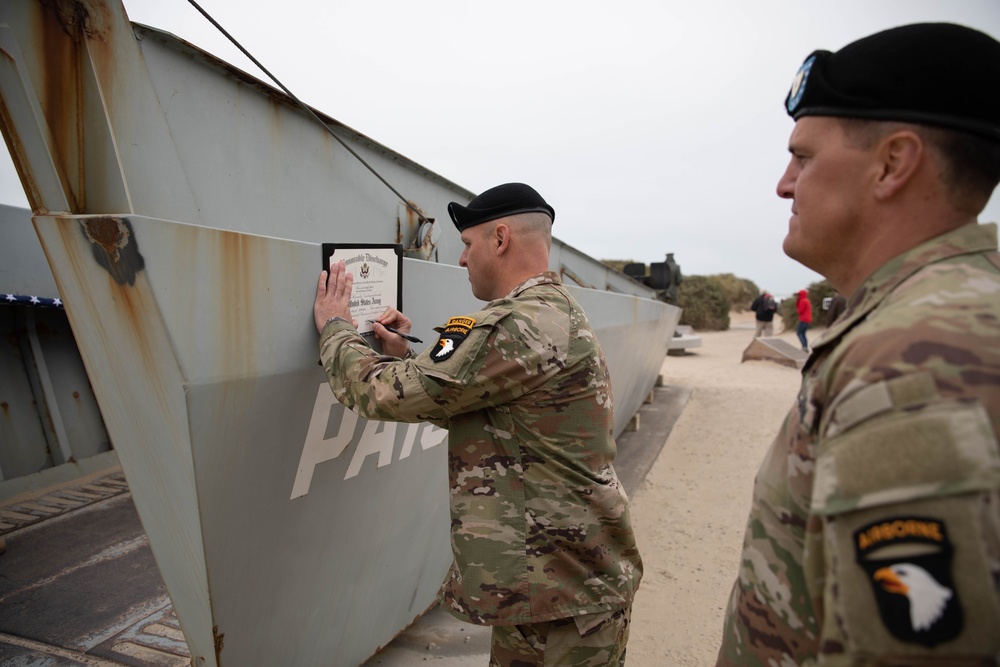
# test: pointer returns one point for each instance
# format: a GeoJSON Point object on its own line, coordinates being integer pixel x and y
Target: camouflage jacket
{"type": "Point", "coordinates": [540, 525]}
{"type": "Point", "coordinates": [874, 535]}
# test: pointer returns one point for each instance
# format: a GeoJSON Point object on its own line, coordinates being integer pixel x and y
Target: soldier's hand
{"type": "Point", "coordinates": [333, 295]}
{"type": "Point", "coordinates": [391, 343]}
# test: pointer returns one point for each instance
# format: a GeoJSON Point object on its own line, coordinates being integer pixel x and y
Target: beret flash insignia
{"type": "Point", "coordinates": [799, 85]}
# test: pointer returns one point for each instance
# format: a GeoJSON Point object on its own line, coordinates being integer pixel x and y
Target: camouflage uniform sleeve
{"type": "Point", "coordinates": [874, 534]}
{"type": "Point", "coordinates": [375, 386]}
{"type": "Point", "coordinates": [507, 355]}
{"type": "Point", "coordinates": [905, 496]}
{"type": "Point", "coordinates": [502, 358]}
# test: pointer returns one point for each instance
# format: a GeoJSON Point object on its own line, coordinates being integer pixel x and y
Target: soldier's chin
{"type": "Point", "coordinates": [800, 253]}
{"type": "Point", "coordinates": [790, 247]}
{"type": "Point", "coordinates": [478, 293]}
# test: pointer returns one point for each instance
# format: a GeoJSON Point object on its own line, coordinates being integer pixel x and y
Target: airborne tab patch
{"type": "Point", "coordinates": [454, 333]}
{"type": "Point", "coordinates": [912, 581]}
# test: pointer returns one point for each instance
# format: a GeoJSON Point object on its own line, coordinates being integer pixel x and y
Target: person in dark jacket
{"type": "Point", "coordinates": [765, 307]}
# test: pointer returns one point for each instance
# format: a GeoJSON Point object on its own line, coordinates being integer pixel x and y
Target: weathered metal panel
{"type": "Point", "coordinates": [141, 394]}
{"type": "Point", "coordinates": [635, 335]}
{"type": "Point", "coordinates": [578, 268]}
{"type": "Point", "coordinates": [82, 424]}
{"type": "Point", "coordinates": [50, 415]}
{"type": "Point", "coordinates": [23, 445]}
{"type": "Point", "coordinates": [23, 269]}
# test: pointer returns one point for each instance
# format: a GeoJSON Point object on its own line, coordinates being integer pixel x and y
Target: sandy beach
{"type": "Point", "coordinates": [690, 512]}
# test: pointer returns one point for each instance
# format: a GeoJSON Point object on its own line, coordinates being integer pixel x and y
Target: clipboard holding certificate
{"type": "Point", "coordinates": [378, 279]}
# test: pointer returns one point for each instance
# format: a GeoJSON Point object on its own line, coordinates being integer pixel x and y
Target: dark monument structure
{"type": "Point", "coordinates": [664, 277]}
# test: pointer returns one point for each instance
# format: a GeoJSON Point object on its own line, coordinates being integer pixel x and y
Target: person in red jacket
{"type": "Point", "coordinates": [805, 318]}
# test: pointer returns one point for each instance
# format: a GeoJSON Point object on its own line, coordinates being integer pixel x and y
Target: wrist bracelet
{"type": "Point", "coordinates": [335, 319]}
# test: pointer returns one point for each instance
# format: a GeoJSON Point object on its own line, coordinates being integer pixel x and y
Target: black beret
{"type": "Point", "coordinates": [499, 202]}
{"type": "Point", "coordinates": [930, 73]}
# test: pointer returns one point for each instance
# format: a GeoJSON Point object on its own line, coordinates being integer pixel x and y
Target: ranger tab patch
{"type": "Point", "coordinates": [454, 333]}
{"type": "Point", "coordinates": [912, 581]}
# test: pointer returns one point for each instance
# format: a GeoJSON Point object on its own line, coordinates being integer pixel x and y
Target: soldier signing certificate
{"type": "Point", "coordinates": [378, 279]}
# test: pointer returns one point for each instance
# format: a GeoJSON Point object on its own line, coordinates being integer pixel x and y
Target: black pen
{"type": "Point", "coordinates": [412, 339]}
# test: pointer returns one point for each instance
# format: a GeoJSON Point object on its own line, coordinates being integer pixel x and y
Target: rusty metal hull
{"type": "Point", "coordinates": [180, 205]}
{"type": "Point", "coordinates": [293, 531]}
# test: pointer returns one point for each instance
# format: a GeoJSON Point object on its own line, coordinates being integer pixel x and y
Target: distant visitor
{"type": "Point", "coordinates": [764, 308]}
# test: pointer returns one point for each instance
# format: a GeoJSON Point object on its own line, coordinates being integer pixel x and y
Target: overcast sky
{"type": "Point", "coordinates": [651, 127]}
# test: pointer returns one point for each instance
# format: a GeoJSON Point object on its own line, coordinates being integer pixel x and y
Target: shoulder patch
{"type": "Point", "coordinates": [908, 561]}
{"type": "Point", "coordinates": [455, 331]}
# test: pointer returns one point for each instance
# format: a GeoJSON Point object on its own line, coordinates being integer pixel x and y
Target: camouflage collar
{"type": "Point", "coordinates": [544, 278]}
{"type": "Point", "coordinates": [962, 241]}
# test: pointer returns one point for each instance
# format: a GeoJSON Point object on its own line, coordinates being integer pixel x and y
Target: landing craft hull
{"type": "Point", "coordinates": [181, 205]}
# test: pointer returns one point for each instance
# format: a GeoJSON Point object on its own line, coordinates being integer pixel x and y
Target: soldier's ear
{"type": "Point", "coordinates": [900, 156]}
{"type": "Point", "coordinates": [501, 238]}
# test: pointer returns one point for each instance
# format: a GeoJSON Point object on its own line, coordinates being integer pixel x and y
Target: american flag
{"type": "Point", "coordinates": [37, 301]}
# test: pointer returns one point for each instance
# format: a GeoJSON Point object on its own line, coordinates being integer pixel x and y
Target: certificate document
{"type": "Point", "coordinates": [378, 279]}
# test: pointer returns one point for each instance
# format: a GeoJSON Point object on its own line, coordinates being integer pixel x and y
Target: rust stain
{"type": "Point", "coordinates": [60, 40]}
{"type": "Point", "coordinates": [79, 17]}
{"type": "Point", "coordinates": [6, 408]}
{"type": "Point", "coordinates": [64, 32]}
{"type": "Point", "coordinates": [229, 276]}
{"type": "Point", "coordinates": [410, 230]}
{"type": "Point", "coordinates": [220, 640]}
{"type": "Point", "coordinates": [114, 247]}
{"type": "Point", "coordinates": [107, 232]}
{"type": "Point", "coordinates": [132, 309]}
{"type": "Point", "coordinates": [243, 268]}
{"type": "Point", "coordinates": [50, 425]}
{"type": "Point", "coordinates": [61, 29]}
{"type": "Point", "coordinates": [132, 303]}
{"type": "Point", "coordinates": [412, 219]}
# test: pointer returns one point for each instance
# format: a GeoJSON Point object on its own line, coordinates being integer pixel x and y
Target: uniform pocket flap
{"type": "Point", "coordinates": [941, 449]}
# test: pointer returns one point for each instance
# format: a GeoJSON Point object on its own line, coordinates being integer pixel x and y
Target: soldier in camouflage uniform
{"type": "Point", "coordinates": [542, 540]}
{"type": "Point", "coordinates": [874, 535]}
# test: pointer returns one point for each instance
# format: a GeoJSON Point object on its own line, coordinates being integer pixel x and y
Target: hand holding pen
{"type": "Point", "coordinates": [393, 321]}
{"type": "Point", "coordinates": [409, 337]}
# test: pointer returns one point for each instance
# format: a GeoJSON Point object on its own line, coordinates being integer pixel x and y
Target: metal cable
{"type": "Point", "coordinates": [308, 110]}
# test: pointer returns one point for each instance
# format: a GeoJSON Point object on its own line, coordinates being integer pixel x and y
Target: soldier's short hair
{"type": "Point", "coordinates": [970, 163]}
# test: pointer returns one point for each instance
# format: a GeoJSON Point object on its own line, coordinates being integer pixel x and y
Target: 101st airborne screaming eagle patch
{"type": "Point", "coordinates": [454, 333]}
{"type": "Point", "coordinates": [911, 578]}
